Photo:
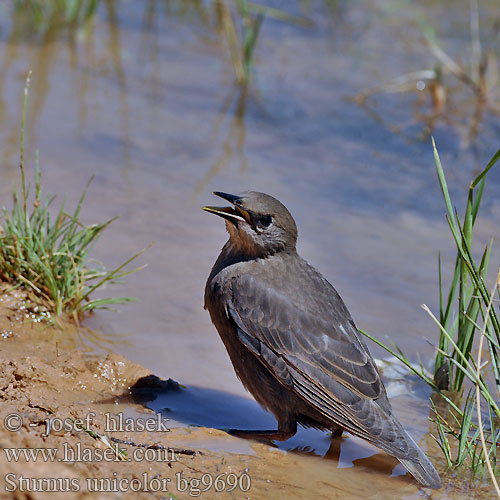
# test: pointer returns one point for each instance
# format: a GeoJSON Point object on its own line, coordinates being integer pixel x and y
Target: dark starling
{"type": "Point", "coordinates": [291, 339]}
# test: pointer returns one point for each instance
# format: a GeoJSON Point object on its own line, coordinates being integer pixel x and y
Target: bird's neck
{"type": "Point", "coordinates": [228, 256]}
{"type": "Point", "coordinates": [233, 254]}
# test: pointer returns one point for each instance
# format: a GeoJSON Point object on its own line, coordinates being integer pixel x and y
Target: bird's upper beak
{"type": "Point", "coordinates": [232, 214]}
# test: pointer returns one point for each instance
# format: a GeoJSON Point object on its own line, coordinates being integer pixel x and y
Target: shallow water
{"type": "Point", "coordinates": [143, 98]}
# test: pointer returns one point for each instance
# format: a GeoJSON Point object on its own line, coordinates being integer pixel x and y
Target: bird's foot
{"type": "Point", "coordinates": [270, 435]}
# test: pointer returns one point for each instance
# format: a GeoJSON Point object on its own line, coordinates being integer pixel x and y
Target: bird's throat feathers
{"type": "Point", "coordinates": [240, 242]}
{"type": "Point", "coordinates": [245, 244]}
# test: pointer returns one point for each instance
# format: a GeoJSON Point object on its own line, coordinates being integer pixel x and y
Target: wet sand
{"type": "Point", "coordinates": [45, 376]}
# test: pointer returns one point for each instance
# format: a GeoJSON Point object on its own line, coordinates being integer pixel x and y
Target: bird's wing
{"type": "Point", "coordinates": [327, 342]}
{"type": "Point", "coordinates": [320, 358]}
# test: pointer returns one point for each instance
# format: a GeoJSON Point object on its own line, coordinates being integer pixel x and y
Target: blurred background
{"type": "Point", "coordinates": [327, 105]}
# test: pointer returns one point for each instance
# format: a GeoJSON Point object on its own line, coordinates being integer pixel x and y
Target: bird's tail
{"type": "Point", "coordinates": [421, 467]}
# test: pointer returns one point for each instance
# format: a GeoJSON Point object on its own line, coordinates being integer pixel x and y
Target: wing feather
{"type": "Point", "coordinates": [328, 344]}
{"type": "Point", "coordinates": [321, 358]}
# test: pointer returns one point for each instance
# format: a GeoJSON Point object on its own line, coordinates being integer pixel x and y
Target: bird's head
{"type": "Point", "coordinates": [258, 224]}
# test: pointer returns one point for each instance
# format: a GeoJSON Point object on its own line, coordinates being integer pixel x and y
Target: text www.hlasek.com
{"type": "Point", "coordinates": [79, 453]}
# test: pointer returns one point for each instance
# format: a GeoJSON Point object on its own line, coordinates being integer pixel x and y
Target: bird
{"type": "Point", "coordinates": [292, 342]}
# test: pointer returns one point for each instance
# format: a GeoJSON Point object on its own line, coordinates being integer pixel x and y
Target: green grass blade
{"type": "Point", "coordinates": [490, 165]}
{"type": "Point", "coordinates": [443, 185]}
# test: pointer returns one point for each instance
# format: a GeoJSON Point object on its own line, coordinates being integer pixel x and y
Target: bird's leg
{"type": "Point", "coordinates": [334, 449]}
{"type": "Point", "coordinates": [336, 431]}
{"type": "Point", "coordinates": [285, 431]}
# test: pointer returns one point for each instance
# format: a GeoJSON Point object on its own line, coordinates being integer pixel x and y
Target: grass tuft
{"type": "Point", "coordinates": [467, 430]}
{"type": "Point", "coordinates": [50, 254]}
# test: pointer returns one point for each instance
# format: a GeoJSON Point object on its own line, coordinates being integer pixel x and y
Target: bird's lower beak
{"type": "Point", "coordinates": [232, 214]}
{"type": "Point", "coordinates": [228, 213]}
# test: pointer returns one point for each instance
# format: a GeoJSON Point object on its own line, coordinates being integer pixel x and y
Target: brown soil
{"type": "Point", "coordinates": [44, 375]}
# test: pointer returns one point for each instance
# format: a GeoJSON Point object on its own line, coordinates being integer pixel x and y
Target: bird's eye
{"type": "Point", "coordinates": [265, 221]}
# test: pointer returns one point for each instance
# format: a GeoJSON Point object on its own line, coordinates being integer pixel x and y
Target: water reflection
{"type": "Point", "coordinates": [460, 94]}
{"type": "Point", "coordinates": [197, 406]}
{"type": "Point", "coordinates": [233, 110]}
{"type": "Point", "coordinates": [99, 58]}
{"type": "Point", "coordinates": [93, 49]}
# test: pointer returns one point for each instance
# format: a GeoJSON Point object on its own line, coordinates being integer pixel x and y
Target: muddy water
{"type": "Point", "coordinates": [143, 98]}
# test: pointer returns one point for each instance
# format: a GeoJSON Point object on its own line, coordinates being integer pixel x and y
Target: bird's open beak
{"type": "Point", "coordinates": [232, 214]}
